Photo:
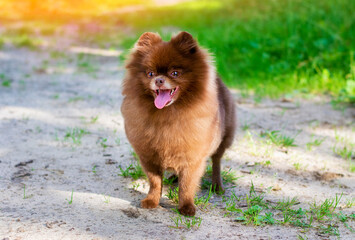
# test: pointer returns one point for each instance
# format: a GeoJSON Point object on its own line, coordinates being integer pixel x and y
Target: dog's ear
{"type": "Point", "coordinates": [148, 39]}
{"type": "Point", "coordinates": [185, 42]}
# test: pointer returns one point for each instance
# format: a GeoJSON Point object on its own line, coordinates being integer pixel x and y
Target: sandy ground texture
{"type": "Point", "coordinates": [54, 92]}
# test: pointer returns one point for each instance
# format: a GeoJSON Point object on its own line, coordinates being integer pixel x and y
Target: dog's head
{"type": "Point", "coordinates": [170, 72]}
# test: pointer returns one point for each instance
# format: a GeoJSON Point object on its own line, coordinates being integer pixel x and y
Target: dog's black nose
{"type": "Point", "coordinates": [159, 82]}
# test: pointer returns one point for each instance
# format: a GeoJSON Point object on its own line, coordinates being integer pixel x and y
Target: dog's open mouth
{"type": "Point", "coordinates": [164, 97]}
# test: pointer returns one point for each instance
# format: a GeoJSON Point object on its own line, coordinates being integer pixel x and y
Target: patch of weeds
{"type": "Point", "coordinates": [5, 81]}
{"type": "Point", "coordinates": [300, 237]}
{"type": "Point", "coordinates": [57, 54]}
{"type": "Point", "coordinates": [75, 134]}
{"type": "Point", "coordinates": [135, 155]}
{"type": "Point", "coordinates": [173, 194]}
{"type": "Point", "coordinates": [264, 163]}
{"type": "Point", "coordinates": [255, 198]}
{"type": "Point", "coordinates": [325, 209]}
{"type": "Point", "coordinates": [203, 202]}
{"type": "Point", "coordinates": [71, 197]}
{"type": "Point", "coordinates": [186, 222]}
{"type": "Point", "coordinates": [279, 139]}
{"type": "Point", "coordinates": [134, 171]}
{"type": "Point", "coordinates": [245, 127]}
{"type": "Point", "coordinates": [103, 142]}
{"type": "Point", "coordinates": [85, 65]}
{"type": "Point", "coordinates": [56, 96]}
{"type": "Point", "coordinates": [118, 141]}
{"type": "Point", "coordinates": [24, 193]}
{"type": "Point", "coordinates": [346, 151]}
{"type": "Point", "coordinates": [351, 167]}
{"type": "Point", "coordinates": [342, 217]}
{"type": "Point", "coordinates": [250, 215]}
{"type": "Point", "coordinates": [94, 169]}
{"type": "Point", "coordinates": [268, 218]}
{"type": "Point", "coordinates": [76, 99]}
{"type": "Point", "coordinates": [135, 185]}
{"type": "Point", "coordinates": [231, 203]}
{"type": "Point", "coordinates": [228, 176]}
{"type": "Point", "coordinates": [347, 93]}
{"type": "Point", "coordinates": [94, 119]}
{"type": "Point", "coordinates": [38, 129]}
{"type": "Point", "coordinates": [297, 166]}
{"type": "Point", "coordinates": [350, 202]}
{"type": "Point", "coordinates": [315, 142]}
{"type": "Point", "coordinates": [255, 205]}
{"type": "Point", "coordinates": [56, 138]}
{"type": "Point", "coordinates": [205, 183]}
{"type": "Point", "coordinates": [169, 180]}
{"type": "Point", "coordinates": [329, 229]}
{"type": "Point", "coordinates": [285, 204]}
{"type": "Point", "coordinates": [107, 198]}
{"type": "Point", "coordinates": [25, 40]}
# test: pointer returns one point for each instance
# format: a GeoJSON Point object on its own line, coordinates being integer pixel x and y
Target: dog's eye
{"type": "Point", "coordinates": [175, 73]}
{"type": "Point", "coordinates": [150, 74]}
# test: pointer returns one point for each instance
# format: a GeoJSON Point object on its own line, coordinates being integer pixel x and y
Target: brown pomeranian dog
{"type": "Point", "coordinates": [177, 113]}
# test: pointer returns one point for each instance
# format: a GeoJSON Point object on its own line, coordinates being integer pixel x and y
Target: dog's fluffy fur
{"type": "Point", "coordinates": [177, 113]}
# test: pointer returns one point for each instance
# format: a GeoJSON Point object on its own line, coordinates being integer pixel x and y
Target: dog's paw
{"type": "Point", "coordinates": [149, 203]}
{"type": "Point", "coordinates": [188, 210]}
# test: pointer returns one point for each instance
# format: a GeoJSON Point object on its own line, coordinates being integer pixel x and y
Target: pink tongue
{"type": "Point", "coordinates": [162, 99]}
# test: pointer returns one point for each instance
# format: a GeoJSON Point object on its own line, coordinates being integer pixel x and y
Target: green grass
{"type": "Point", "coordinates": [325, 209]}
{"type": "Point", "coordinates": [135, 185]}
{"type": "Point", "coordinates": [94, 171]}
{"type": "Point", "coordinates": [314, 143]}
{"type": "Point", "coordinates": [345, 152]}
{"type": "Point", "coordinates": [170, 180]}
{"type": "Point", "coordinates": [5, 81]}
{"type": "Point", "coordinates": [2, 42]}
{"type": "Point", "coordinates": [70, 201]}
{"type": "Point", "coordinates": [255, 209]}
{"type": "Point", "coordinates": [25, 196]}
{"type": "Point", "coordinates": [184, 222]}
{"type": "Point", "coordinates": [268, 47]}
{"type": "Point", "coordinates": [75, 134]}
{"type": "Point", "coordinates": [228, 176]}
{"type": "Point", "coordinates": [134, 171]}
{"type": "Point", "coordinates": [94, 119]}
{"type": "Point", "coordinates": [279, 139]}
{"type": "Point", "coordinates": [297, 166]}
{"type": "Point", "coordinates": [285, 204]}
{"type": "Point", "coordinates": [345, 148]}
{"type": "Point", "coordinates": [84, 63]}
{"type": "Point", "coordinates": [350, 202]}
{"type": "Point", "coordinates": [201, 202]}
{"type": "Point", "coordinates": [76, 99]}
{"type": "Point", "coordinates": [173, 194]}
{"type": "Point", "coordinates": [19, 39]}
{"type": "Point", "coordinates": [107, 198]}
{"type": "Point", "coordinates": [103, 143]}
{"type": "Point", "coordinates": [118, 141]}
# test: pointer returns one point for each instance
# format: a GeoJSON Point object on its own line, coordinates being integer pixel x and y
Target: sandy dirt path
{"type": "Point", "coordinates": [54, 91]}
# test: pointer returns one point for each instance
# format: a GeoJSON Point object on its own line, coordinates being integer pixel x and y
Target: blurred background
{"type": "Point", "coordinates": [269, 48]}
